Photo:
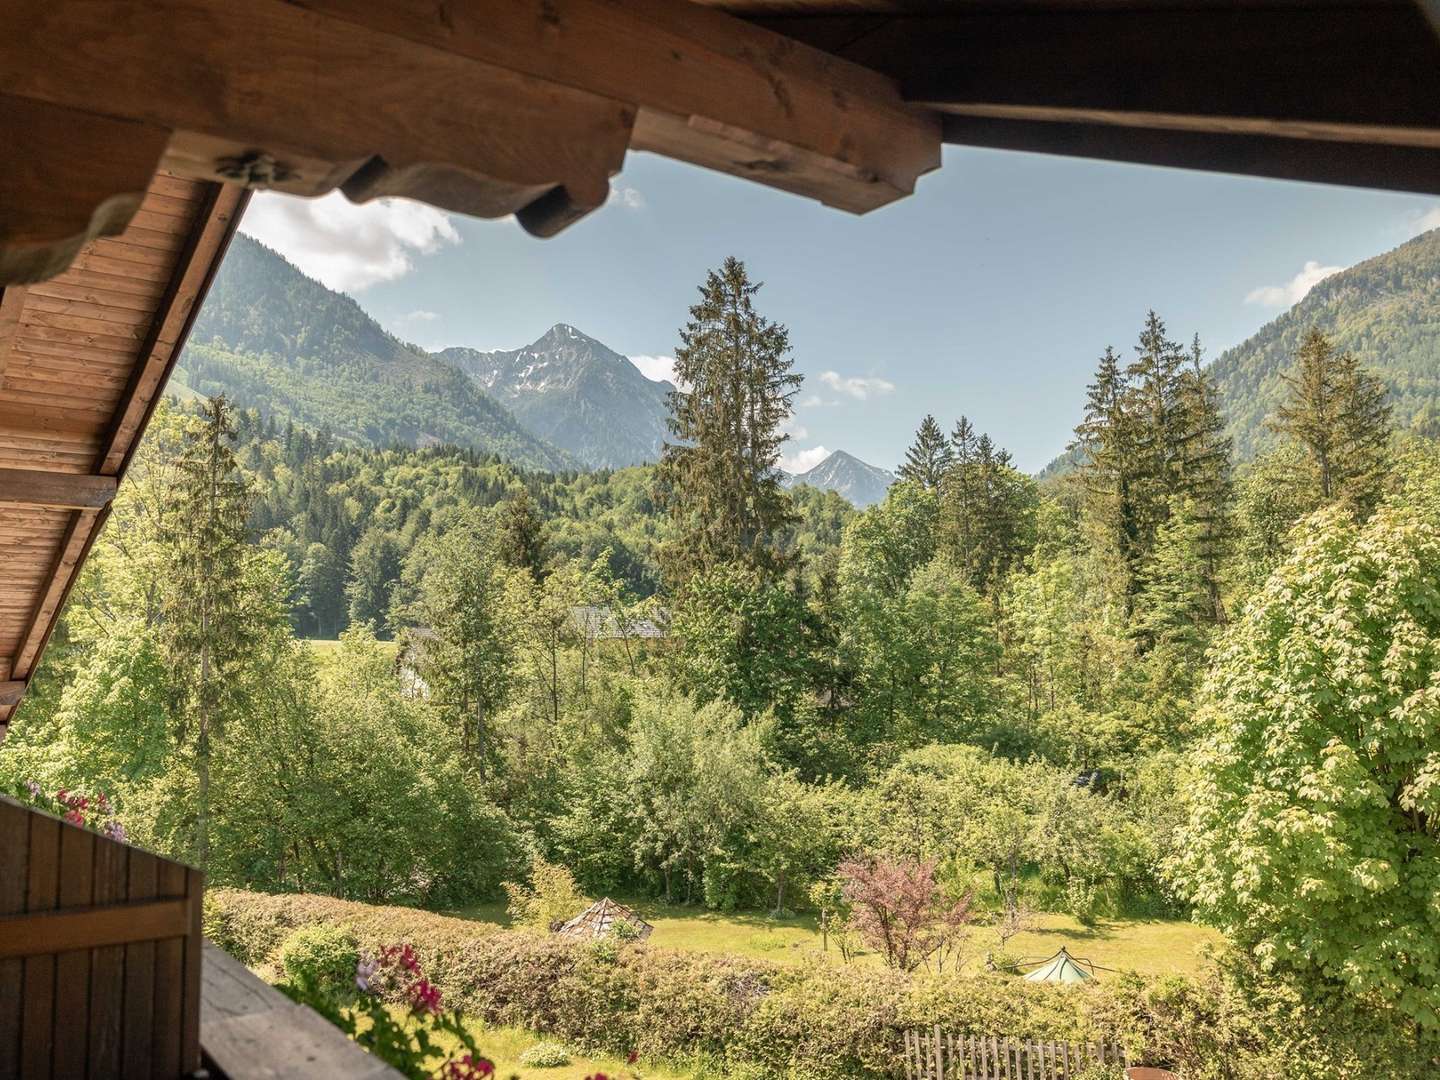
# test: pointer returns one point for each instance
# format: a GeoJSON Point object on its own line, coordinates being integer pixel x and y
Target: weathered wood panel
{"type": "Point", "coordinates": [80, 927]}
{"type": "Point", "coordinates": [251, 1029]}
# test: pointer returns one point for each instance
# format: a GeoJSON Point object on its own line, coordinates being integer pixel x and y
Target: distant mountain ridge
{"type": "Point", "coordinates": [1386, 310]}
{"type": "Point", "coordinates": [859, 482]}
{"type": "Point", "coordinates": [273, 339]}
{"type": "Point", "coordinates": [577, 394]}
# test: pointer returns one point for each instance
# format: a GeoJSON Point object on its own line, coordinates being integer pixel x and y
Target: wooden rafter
{"type": "Point", "coordinates": [209, 220]}
{"type": "Point", "coordinates": [487, 108]}
{"type": "Point", "coordinates": [1293, 90]}
{"type": "Point", "coordinates": [69, 491]}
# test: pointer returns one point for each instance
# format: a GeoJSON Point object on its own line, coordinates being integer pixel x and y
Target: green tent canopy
{"type": "Point", "coordinates": [1061, 968]}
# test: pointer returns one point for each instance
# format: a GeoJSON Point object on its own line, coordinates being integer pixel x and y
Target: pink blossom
{"type": "Point", "coordinates": [424, 996]}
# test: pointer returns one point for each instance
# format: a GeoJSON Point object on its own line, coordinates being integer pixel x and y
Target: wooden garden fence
{"type": "Point", "coordinates": [942, 1055]}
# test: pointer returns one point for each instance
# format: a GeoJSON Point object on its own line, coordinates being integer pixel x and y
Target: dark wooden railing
{"type": "Point", "coordinates": [100, 953]}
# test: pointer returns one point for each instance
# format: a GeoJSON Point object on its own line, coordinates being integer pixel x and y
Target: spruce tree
{"type": "Point", "coordinates": [1338, 413]}
{"type": "Point", "coordinates": [929, 456]}
{"type": "Point", "coordinates": [987, 511]}
{"type": "Point", "coordinates": [1204, 480]}
{"type": "Point", "coordinates": [212, 620]}
{"type": "Point", "coordinates": [521, 543]}
{"type": "Point", "coordinates": [1110, 470]}
{"type": "Point", "coordinates": [720, 478]}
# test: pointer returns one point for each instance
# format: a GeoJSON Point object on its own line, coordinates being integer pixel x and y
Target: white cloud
{"type": "Point", "coordinates": [856, 386]}
{"type": "Point", "coordinates": [1294, 290]}
{"type": "Point", "coordinates": [418, 316]}
{"type": "Point", "coordinates": [794, 429]}
{"type": "Point", "coordinates": [656, 368]}
{"type": "Point", "coordinates": [345, 245]}
{"type": "Point", "coordinates": [804, 460]}
{"type": "Point", "coordinates": [628, 197]}
{"type": "Point", "coordinates": [1430, 219]}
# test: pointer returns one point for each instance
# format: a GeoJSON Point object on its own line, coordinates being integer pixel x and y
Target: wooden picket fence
{"type": "Point", "coordinates": [943, 1055]}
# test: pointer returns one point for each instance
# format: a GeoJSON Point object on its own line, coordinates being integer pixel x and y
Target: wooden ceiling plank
{"type": "Point", "coordinates": [12, 302]}
{"type": "Point", "coordinates": [35, 487]}
{"type": "Point", "coordinates": [1396, 168]}
{"type": "Point", "coordinates": [74, 288]}
{"type": "Point", "coordinates": [216, 223]}
{"type": "Point", "coordinates": [69, 176]}
{"type": "Point", "coordinates": [1237, 72]}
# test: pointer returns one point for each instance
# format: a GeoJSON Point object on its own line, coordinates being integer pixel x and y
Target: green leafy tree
{"type": "Point", "coordinates": [743, 638]}
{"type": "Point", "coordinates": [929, 456]}
{"type": "Point", "coordinates": [375, 566]}
{"type": "Point", "coordinates": [1313, 835]}
{"type": "Point", "coordinates": [720, 478]}
{"type": "Point", "coordinates": [468, 619]}
{"type": "Point", "coordinates": [987, 511]}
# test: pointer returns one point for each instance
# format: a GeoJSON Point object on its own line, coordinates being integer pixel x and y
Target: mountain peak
{"type": "Point", "coordinates": [858, 481]}
{"type": "Point", "coordinates": [577, 393]}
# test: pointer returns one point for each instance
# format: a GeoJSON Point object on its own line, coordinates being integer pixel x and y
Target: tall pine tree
{"type": "Point", "coordinates": [1338, 413]}
{"type": "Point", "coordinates": [215, 610]}
{"type": "Point", "coordinates": [929, 456]}
{"type": "Point", "coordinates": [720, 479]}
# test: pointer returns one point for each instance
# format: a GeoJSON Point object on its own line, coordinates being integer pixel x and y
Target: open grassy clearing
{"type": "Point", "coordinates": [1149, 946]}
{"type": "Point", "coordinates": [504, 1045]}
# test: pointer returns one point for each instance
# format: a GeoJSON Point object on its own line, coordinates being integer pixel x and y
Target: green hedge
{"type": "Point", "coordinates": [818, 1022]}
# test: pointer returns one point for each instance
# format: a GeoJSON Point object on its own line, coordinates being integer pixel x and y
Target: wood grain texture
{"type": "Point", "coordinates": [89, 358]}
{"type": "Point", "coordinates": [37, 487]}
{"type": "Point", "coordinates": [251, 1029]}
{"type": "Point", "coordinates": [98, 925]}
{"type": "Point", "coordinates": [69, 177]}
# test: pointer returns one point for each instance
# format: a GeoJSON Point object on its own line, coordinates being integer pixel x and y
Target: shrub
{"type": "Point", "coordinates": [821, 1022]}
{"type": "Point", "coordinates": [551, 897]}
{"type": "Point", "coordinates": [545, 1055]}
{"type": "Point", "coordinates": [320, 961]}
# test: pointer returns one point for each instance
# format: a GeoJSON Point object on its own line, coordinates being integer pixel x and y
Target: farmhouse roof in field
{"type": "Point", "coordinates": [131, 133]}
{"type": "Point", "coordinates": [599, 918]}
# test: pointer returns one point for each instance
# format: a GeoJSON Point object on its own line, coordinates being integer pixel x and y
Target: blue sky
{"type": "Point", "coordinates": [990, 292]}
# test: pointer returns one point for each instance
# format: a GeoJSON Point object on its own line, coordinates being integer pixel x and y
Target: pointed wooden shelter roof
{"type": "Point", "coordinates": [599, 919]}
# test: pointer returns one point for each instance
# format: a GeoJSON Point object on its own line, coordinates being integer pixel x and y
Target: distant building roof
{"type": "Point", "coordinates": [602, 622]}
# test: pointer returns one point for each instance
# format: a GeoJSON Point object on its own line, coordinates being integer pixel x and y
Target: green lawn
{"type": "Point", "coordinates": [1150, 946]}
{"type": "Point", "coordinates": [504, 1045]}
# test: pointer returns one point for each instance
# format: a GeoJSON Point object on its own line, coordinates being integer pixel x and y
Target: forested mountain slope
{"type": "Point", "coordinates": [576, 393]}
{"type": "Point", "coordinates": [272, 339]}
{"type": "Point", "coordinates": [1386, 310]}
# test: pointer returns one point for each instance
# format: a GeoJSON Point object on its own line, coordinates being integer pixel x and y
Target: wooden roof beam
{"type": "Point", "coordinates": [486, 108]}
{"type": "Point", "coordinates": [66, 491]}
{"type": "Point", "coordinates": [1302, 92]}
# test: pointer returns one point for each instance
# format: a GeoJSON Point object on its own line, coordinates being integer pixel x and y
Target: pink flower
{"type": "Point", "coordinates": [364, 972]}
{"type": "Point", "coordinates": [75, 817]}
{"type": "Point", "coordinates": [424, 996]}
{"type": "Point", "coordinates": [468, 1067]}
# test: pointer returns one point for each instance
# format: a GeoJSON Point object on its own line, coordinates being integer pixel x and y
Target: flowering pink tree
{"type": "Point", "coordinates": [900, 911]}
